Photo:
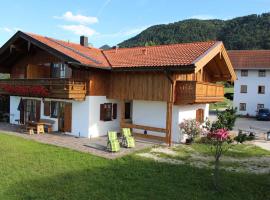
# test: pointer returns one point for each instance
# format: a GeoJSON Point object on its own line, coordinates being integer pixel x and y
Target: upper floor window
{"type": "Point", "coordinates": [244, 72]}
{"type": "Point", "coordinates": [261, 89]}
{"type": "Point", "coordinates": [60, 70]}
{"type": "Point", "coordinates": [261, 73]}
{"type": "Point", "coordinates": [243, 89]}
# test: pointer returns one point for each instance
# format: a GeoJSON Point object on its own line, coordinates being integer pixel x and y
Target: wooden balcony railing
{"type": "Point", "coordinates": [188, 92]}
{"type": "Point", "coordinates": [54, 88]}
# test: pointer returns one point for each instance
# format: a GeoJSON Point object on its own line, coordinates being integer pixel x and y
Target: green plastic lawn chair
{"type": "Point", "coordinates": [113, 143]}
{"type": "Point", "coordinates": [128, 140]}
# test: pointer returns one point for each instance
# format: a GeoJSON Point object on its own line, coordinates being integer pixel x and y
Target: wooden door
{"type": "Point", "coordinates": [68, 117]}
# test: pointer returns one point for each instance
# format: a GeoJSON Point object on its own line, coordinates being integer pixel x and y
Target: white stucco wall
{"type": "Point", "coordinates": [251, 98]}
{"type": "Point", "coordinates": [153, 113]}
{"type": "Point", "coordinates": [96, 126]}
{"type": "Point", "coordinates": [85, 115]}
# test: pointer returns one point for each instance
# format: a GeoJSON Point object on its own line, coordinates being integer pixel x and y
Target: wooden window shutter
{"type": "Point", "coordinates": [114, 111]}
{"type": "Point", "coordinates": [47, 108]}
{"type": "Point", "coordinates": [102, 112]}
{"type": "Point", "coordinates": [200, 115]}
{"type": "Point", "coordinates": [38, 110]}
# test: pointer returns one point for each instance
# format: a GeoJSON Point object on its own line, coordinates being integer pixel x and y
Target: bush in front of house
{"type": "Point", "coordinates": [192, 129]}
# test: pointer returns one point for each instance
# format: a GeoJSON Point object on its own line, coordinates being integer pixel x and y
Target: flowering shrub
{"type": "Point", "coordinates": [218, 138]}
{"type": "Point", "coordinates": [192, 128]}
{"type": "Point", "coordinates": [26, 90]}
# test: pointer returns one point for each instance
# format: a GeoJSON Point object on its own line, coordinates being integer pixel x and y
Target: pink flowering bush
{"type": "Point", "coordinates": [192, 128]}
{"type": "Point", "coordinates": [219, 139]}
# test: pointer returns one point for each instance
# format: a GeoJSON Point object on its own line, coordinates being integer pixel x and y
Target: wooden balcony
{"type": "Point", "coordinates": [189, 92]}
{"type": "Point", "coordinates": [47, 88]}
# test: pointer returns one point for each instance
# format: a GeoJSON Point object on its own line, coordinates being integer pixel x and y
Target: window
{"type": "Point", "coordinates": [242, 106]}
{"type": "Point", "coordinates": [262, 73]}
{"type": "Point", "coordinates": [60, 70]}
{"type": "Point", "coordinates": [114, 111]}
{"type": "Point", "coordinates": [261, 89]}
{"type": "Point", "coordinates": [244, 72]}
{"type": "Point", "coordinates": [54, 109]}
{"type": "Point", "coordinates": [128, 110]}
{"type": "Point", "coordinates": [32, 110]}
{"type": "Point", "coordinates": [260, 106]}
{"type": "Point", "coordinates": [106, 112]}
{"type": "Point", "coordinates": [243, 89]}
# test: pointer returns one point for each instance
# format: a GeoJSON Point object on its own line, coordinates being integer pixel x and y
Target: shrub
{"type": "Point", "coordinates": [241, 137]}
{"type": "Point", "coordinates": [192, 128]}
{"type": "Point", "coordinates": [226, 119]}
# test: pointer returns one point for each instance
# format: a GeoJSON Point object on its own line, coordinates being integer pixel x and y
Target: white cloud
{"type": "Point", "coordinates": [79, 29]}
{"type": "Point", "coordinates": [9, 30]}
{"type": "Point", "coordinates": [106, 3]}
{"type": "Point", "coordinates": [81, 19]}
{"type": "Point", "coordinates": [203, 17]}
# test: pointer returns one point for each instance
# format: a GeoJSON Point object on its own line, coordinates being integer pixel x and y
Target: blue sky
{"type": "Point", "coordinates": [111, 21]}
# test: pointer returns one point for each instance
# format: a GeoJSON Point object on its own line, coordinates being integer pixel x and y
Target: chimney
{"type": "Point", "coordinates": [84, 41]}
{"type": "Point", "coordinates": [144, 51]}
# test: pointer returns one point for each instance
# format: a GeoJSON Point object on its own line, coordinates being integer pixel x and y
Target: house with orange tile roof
{"type": "Point", "coordinates": [87, 92]}
{"type": "Point", "coordinates": [252, 87]}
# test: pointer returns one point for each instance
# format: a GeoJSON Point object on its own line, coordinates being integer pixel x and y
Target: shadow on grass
{"type": "Point", "coordinates": [133, 178]}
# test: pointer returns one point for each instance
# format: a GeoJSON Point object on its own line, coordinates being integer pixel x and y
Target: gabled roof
{"type": "Point", "coordinates": [186, 56]}
{"type": "Point", "coordinates": [250, 59]}
{"type": "Point", "coordinates": [157, 56]}
{"type": "Point", "coordinates": [85, 55]}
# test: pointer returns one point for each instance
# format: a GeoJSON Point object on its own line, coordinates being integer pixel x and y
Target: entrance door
{"type": "Point", "coordinates": [68, 117]}
{"type": "Point", "coordinates": [65, 117]}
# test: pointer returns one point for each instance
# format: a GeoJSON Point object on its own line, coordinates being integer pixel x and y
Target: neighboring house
{"type": "Point", "coordinates": [88, 91]}
{"type": "Point", "coordinates": [252, 87]}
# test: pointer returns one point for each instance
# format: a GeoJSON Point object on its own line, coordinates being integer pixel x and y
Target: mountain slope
{"type": "Point", "coordinates": [248, 32]}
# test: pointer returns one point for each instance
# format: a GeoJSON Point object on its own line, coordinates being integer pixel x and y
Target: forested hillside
{"type": "Point", "coordinates": [247, 32]}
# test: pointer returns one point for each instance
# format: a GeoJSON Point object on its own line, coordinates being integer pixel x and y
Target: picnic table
{"type": "Point", "coordinates": [40, 126]}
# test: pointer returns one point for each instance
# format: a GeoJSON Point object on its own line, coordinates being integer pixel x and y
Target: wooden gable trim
{"type": "Point", "coordinates": [206, 57]}
{"type": "Point", "coordinates": [35, 42]}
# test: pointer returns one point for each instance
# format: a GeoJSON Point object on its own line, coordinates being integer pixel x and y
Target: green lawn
{"type": "Point", "coordinates": [30, 170]}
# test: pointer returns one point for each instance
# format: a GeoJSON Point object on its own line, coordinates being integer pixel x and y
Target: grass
{"type": "Point", "coordinates": [224, 104]}
{"type": "Point", "coordinates": [30, 170]}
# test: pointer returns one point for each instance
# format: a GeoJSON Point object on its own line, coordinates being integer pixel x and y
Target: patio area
{"type": "Point", "coordinates": [95, 146]}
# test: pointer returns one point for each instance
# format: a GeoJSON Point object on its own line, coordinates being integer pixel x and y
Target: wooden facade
{"type": "Point", "coordinates": [29, 66]}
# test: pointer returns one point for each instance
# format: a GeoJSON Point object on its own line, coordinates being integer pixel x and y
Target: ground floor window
{"type": "Point", "coordinates": [106, 112]}
{"type": "Point", "coordinates": [242, 106]}
{"type": "Point", "coordinates": [31, 110]}
{"type": "Point", "coordinates": [54, 109]}
{"type": "Point", "coordinates": [128, 110]}
{"type": "Point", "coordinates": [260, 106]}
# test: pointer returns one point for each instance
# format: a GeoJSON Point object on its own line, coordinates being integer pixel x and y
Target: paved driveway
{"type": "Point", "coordinates": [246, 123]}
